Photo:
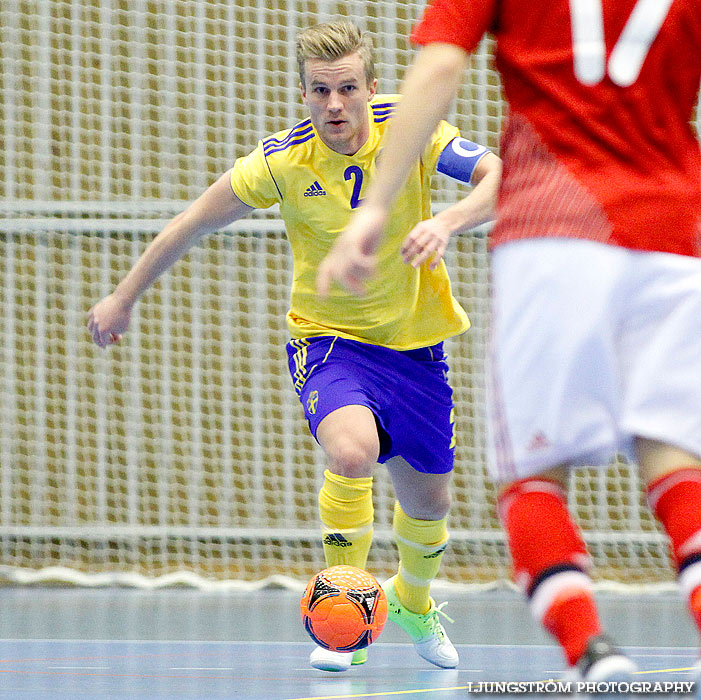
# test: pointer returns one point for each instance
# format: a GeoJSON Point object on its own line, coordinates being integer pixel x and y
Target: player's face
{"type": "Point", "coordinates": [337, 95]}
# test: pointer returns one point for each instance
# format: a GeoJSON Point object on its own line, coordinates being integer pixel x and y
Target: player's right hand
{"type": "Point", "coordinates": [108, 320]}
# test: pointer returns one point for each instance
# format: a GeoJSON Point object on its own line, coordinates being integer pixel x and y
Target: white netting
{"type": "Point", "coordinates": [183, 453]}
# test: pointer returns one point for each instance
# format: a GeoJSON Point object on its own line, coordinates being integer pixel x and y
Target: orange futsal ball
{"type": "Point", "coordinates": [344, 608]}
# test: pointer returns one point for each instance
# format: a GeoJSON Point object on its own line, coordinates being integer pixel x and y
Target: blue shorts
{"type": "Point", "coordinates": [408, 392]}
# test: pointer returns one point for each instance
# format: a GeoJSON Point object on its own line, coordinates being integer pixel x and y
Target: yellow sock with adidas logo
{"type": "Point", "coordinates": [346, 510]}
{"type": "Point", "coordinates": [421, 544]}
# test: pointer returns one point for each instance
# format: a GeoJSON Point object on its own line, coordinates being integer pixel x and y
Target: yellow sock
{"type": "Point", "coordinates": [345, 507]}
{"type": "Point", "coordinates": [421, 544]}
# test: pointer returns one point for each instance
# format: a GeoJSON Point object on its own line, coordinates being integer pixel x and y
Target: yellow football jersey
{"type": "Point", "coordinates": [318, 189]}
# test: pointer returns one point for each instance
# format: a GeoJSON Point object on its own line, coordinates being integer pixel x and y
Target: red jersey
{"type": "Point", "coordinates": [599, 142]}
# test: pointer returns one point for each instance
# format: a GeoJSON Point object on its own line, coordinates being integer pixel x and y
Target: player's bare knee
{"type": "Point", "coordinates": [352, 458]}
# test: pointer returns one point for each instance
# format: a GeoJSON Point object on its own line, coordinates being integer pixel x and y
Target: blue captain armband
{"type": "Point", "coordinates": [459, 159]}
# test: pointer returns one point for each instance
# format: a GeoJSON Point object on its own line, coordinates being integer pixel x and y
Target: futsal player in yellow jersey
{"type": "Point", "coordinates": [370, 371]}
{"type": "Point", "coordinates": [317, 189]}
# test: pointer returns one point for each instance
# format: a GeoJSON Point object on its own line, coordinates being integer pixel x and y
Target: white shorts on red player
{"type": "Point", "coordinates": [591, 345]}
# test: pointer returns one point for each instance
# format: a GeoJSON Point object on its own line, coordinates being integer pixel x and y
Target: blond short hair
{"type": "Point", "coordinates": [333, 40]}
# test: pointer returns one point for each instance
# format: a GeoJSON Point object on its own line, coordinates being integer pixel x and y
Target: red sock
{"type": "Point", "coordinates": [676, 500]}
{"type": "Point", "coordinates": [695, 605]}
{"type": "Point", "coordinates": [549, 559]}
{"type": "Point", "coordinates": [573, 620]}
{"type": "Point", "coordinates": [540, 530]}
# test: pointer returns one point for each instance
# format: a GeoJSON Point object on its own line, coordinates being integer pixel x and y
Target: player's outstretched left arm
{"type": "Point", "coordinates": [429, 239]}
{"type": "Point", "coordinates": [431, 85]}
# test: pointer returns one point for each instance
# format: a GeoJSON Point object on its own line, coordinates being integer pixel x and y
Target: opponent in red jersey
{"type": "Point", "coordinates": [596, 279]}
{"type": "Point", "coordinates": [600, 101]}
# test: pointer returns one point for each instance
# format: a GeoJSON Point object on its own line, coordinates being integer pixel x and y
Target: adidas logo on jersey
{"type": "Point", "coordinates": [337, 540]}
{"type": "Point", "coordinates": [316, 190]}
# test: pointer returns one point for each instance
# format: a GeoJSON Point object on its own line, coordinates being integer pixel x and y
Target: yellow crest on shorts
{"type": "Point", "coordinates": [312, 401]}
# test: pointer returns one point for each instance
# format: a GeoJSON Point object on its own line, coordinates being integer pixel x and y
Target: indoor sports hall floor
{"type": "Point", "coordinates": [119, 644]}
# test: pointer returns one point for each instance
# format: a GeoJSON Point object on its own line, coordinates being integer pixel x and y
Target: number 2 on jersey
{"type": "Point", "coordinates": [631, 49]}
{"type": "Point", "coordinates": [355, 172]}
